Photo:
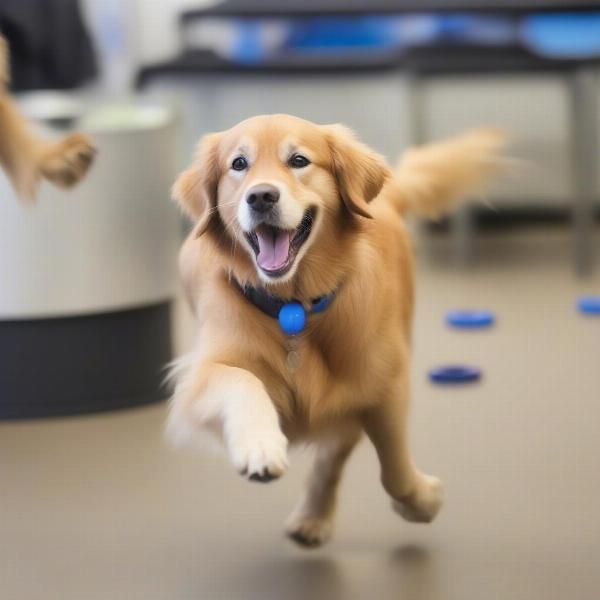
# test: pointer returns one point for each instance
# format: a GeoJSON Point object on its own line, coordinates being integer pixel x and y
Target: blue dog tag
{"type": "Point", "coordinates": [292, 318]}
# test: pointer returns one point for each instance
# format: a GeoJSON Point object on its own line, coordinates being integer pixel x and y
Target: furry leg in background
{"type": "Point", "coordinates": [3, 62]}
{"type": "Point", "coordinates": [26, 157]}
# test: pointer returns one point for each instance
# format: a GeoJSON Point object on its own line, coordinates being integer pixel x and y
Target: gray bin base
{"type": "Point", "coordinates": [74, 365]}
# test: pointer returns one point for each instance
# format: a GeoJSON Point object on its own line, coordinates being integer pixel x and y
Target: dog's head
{"type": "Point", "coordinates": [277, 185]}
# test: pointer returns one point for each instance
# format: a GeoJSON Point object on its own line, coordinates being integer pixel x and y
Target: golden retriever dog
{"type": "Point", "coordinates": [288, 211]}
{"type": "Point", "coordinates": [26, 157]}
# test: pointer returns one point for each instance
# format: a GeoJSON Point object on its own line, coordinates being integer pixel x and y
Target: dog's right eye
{"type": "Point", "coordinates": [239, 164]}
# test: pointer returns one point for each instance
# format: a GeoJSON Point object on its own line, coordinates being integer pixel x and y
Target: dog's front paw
{"type": "Point", "coordinates": [68, 161]}
{"type": "Point", "coordinates": [309, 531]}
{"type": "Point", "coordinates": [424, 503]}
{"type": "Point", "coordinates": [260, 457]}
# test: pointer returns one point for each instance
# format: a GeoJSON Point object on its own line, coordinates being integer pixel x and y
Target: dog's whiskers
{"type": "Point", "coordinates": [214, 209]}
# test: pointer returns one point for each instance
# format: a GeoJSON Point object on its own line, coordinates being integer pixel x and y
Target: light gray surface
{"type": "Point", "coordinates": [100, 508]}
{"type": "Point", "coordinates": [107, 244]}
{"type": "Point", "coordinates": [534, 109]}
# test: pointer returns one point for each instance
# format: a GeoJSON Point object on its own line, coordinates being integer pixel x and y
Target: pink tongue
{"type": "Point", "coordinates": [273, 249]}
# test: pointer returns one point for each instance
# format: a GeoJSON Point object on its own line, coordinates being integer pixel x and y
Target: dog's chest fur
{"type": "Point", "coordinates": [329, 370]}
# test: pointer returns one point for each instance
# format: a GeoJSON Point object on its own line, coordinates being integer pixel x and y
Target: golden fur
{"type": "Point", "coordinates": [26, 157]}
{"type": "Point", "coordinates": [354, 358]}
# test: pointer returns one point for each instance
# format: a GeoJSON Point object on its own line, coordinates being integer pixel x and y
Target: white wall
{"type": "Point", "coordinates": [130, 33]}
{"type": "Point", "coordinates": [534, 109]}
{"type": "Point", "coordinates": [157, 26]}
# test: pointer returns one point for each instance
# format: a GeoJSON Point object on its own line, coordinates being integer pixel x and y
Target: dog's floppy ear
{"type": "Point", "coordinates": [360, 172]}
{"type": "Point", "coordinates": [196, 188]}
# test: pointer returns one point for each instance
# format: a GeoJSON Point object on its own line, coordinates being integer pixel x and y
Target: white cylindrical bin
{"type": "Point", "coordinates": [87, 275]}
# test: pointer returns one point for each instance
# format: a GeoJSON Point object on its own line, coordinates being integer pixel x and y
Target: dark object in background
{"type": "Point", "coordinates": [50, 47]}
{"type": "Point", "coordinates": [89, 363]}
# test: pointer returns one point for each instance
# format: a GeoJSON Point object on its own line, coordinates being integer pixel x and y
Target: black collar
{"type": "Point", "coordinates": [271, 305]}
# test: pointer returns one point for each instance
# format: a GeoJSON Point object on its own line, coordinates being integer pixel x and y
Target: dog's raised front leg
{"type": "Point", "coordinates": [234, 403]}
{"type": "Point", "coordinates": [310, 524]}
{"type": "Point", "coordinates": [416, 497]}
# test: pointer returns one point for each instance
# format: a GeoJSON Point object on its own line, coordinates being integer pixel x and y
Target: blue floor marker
{"type": "Point", "coordinates": [470, 319]}
{"type": "Point", "coordinates": [590, 305]}
{"type": "Point", "coordinates": [455, 374]}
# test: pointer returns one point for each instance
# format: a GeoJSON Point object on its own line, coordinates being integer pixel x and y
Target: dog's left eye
{"type": "Point", "coordinates": [239, 164]}
{"type": "Point", "coordinates": [297, 161]}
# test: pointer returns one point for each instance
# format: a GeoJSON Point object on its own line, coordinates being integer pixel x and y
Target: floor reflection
{"type": "Point", "coordinates": [298, 578]}
{"type": "Point", "coordinates": [416, 569]}
{"type": "Point", "coordinates": [410, 575]}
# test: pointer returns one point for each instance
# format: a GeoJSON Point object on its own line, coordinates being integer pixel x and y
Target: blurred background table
{"type": "Point", "coordinates": [422, 63]}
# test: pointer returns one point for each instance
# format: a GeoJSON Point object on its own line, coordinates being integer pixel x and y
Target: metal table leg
{"type": "Point", "coordinates": [462, 223]}
{"type": "Point", "coordinates": [417, 119]}
{"type": "Point", "coordinates": [463, 233]}
{"type": "Point", "coordinates": [585, 163]}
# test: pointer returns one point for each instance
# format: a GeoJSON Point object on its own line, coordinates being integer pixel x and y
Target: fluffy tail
{"type": "Point", "coordinates": [432, 179]}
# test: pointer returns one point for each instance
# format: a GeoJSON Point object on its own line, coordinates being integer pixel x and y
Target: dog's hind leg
{"type": "Point", "coordinates": [415, 496]}
{"type": "Point", "coordinates": [311, 522]}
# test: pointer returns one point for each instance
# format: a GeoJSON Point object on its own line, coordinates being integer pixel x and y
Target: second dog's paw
{"type": "Point", "coordinates": [423, 505]}
{"type": "Point", "coordinates": [307, 531]}
{"type": "Point", "coordinates": [68, 161]}
{"type": "Point", "coordinates": [260, 457]}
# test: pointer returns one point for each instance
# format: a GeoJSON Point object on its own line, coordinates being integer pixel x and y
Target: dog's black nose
{"type": "Point", "coordinates": [261, 198]}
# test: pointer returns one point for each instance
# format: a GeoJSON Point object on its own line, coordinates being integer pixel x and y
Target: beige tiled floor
{"type": "Point", "coordinates": [98, 507]}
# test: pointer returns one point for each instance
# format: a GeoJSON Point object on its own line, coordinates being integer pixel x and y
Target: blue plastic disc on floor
{"type": "Point", "coordinates": [470, 319]}
{"type": "Point", "coordinates": [590, 305]}
{"type": "Point", "coordinates": [455, 374]}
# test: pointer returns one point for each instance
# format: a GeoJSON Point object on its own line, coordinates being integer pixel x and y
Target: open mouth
{"type": "Point", "coordinates": [276, 249]}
